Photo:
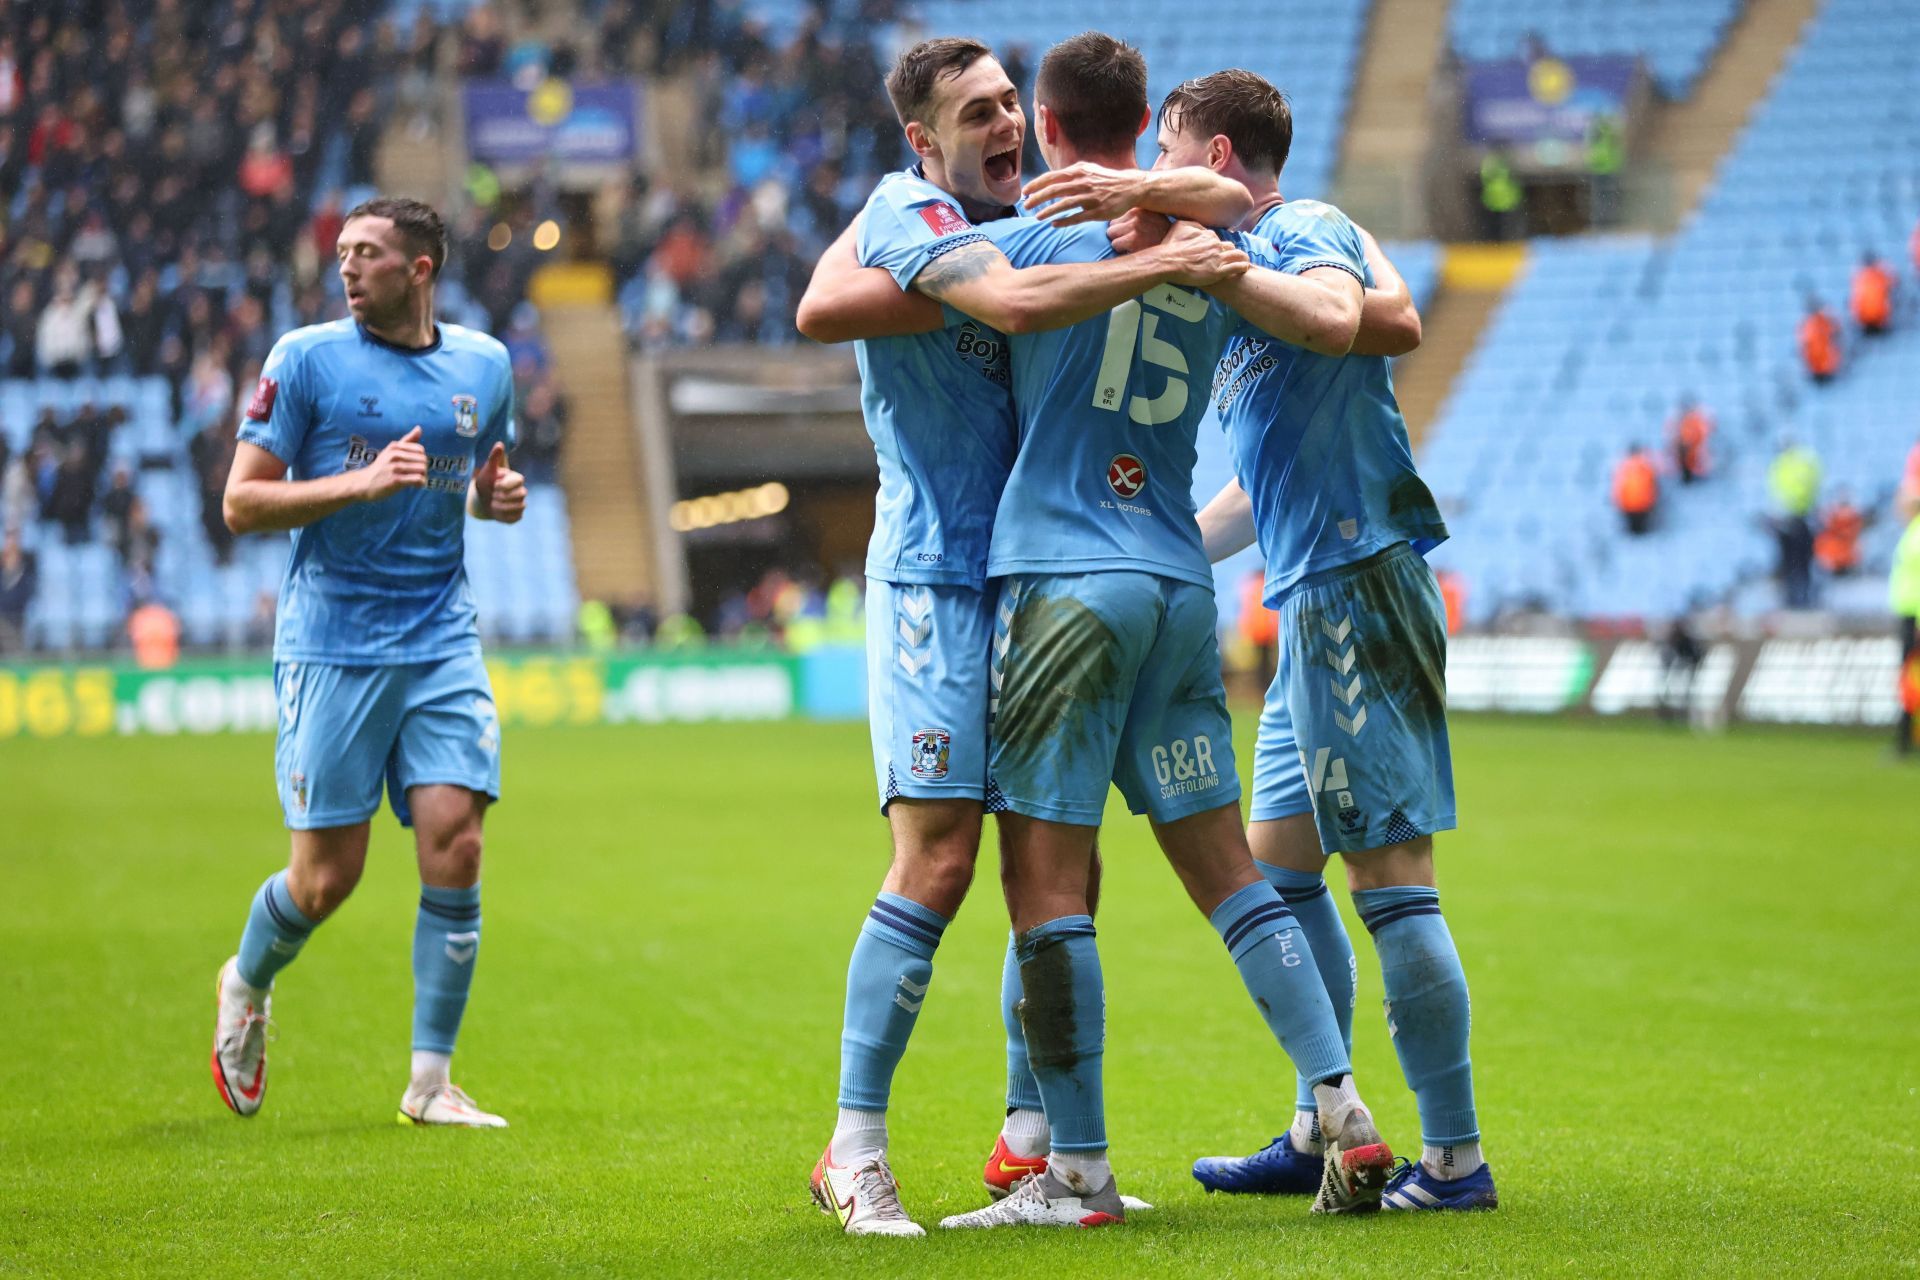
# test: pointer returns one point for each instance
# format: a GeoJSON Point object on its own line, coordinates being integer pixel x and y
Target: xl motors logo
{"type": "Point", "coordinates": [1126, 475]}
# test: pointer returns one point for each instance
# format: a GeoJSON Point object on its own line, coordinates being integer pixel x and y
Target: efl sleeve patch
{"type": "Point", "coordinates": [943, 219]}
{"type": "Point", "coordinates": [260, 408]}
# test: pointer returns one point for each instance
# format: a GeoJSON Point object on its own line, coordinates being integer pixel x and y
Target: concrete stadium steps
{"type": "Point", "coordinates": [1690, 138]}
{"type": "Point", "coordinates": [1383, 153]}
{"type": "Point", "coordinates": [613, 554]}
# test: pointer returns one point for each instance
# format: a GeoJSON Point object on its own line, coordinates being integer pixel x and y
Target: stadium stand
{"type": "Point", "coordinates": [1601, 338]}
{"type": "Point", "coordinates": [1677, 37]}
{"type": "Point", "coordinates": [169, 195]}
{"type": "Point", "coordinates": [791, 179]}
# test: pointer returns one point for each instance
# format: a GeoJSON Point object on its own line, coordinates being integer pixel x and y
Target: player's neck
{"type": "Point", "coordinates": [415, 331]}
{"type": "Point", "coordinates": [1266, 196]}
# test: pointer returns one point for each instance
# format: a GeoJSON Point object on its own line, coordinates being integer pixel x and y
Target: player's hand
{"type": "Point", "coordinates": [498, 489]}
{"type": "Point", "coordinates": [1199, 258]}
{"type": "Point", "coordinates": [401, 465]}
{"type": "Point", "coordinates": [1084, 192]}
{"type": "Point", "coordinates": [1137, 229]}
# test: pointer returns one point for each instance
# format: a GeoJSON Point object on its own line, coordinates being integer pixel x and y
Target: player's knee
{"type": "Point", "coordinates": [453, 858]}
{"type": "Point", "coordinates": [319, 889]}
{"type": "Point", "coordinates": [1408, 863]}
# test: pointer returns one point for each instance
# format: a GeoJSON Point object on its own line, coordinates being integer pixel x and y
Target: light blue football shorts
{"type": "Point", "coordinates": [927, 689]}
{"type": "Point", "coordinates": [1109, 678]}
{"type": "Point", "coordinates": [1355, 725]}
{"type": "Point", "coordinates": [346, 730]}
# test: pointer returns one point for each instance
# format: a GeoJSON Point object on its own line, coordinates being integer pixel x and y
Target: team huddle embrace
{"type": "Point", "coordinates": [1036, 361]}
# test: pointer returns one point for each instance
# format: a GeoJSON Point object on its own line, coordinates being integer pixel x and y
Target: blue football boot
{"type": "Point", "coordinates": [1412, 1187]}
{"type": "Point", "coordinates": [1277, 1169]}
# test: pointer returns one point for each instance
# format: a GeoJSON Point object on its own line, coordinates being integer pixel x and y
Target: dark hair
{"type": "Point", "coordinates": [420, 228]}
{"type": "Point", "coordinates": [1096, 87]}
{"type": "Point", "coordinates": [1252, 114]}
{"type": "Point", "coordinates": [910, 83]}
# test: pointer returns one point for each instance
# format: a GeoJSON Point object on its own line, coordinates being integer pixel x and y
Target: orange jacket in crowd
{"type": "Point", "coordinates": [1820, 344]}
{"type": "Point", "coordinates": [1636, 486]}
{"type": "Point", "coordinates": [155, 633]}
{"type": "Point", "coordinates": [1837, 545]}
{"type": "Point", "coordinates": [1453, 594]}
{"type": "Point", "coordinates": [1690, 435]}
{"type": "Point", "coordinates": [1259, 625]}
{"type": "Point", "coordinates": [1873, 296]}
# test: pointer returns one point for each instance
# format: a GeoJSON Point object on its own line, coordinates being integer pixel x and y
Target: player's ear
{"type": "Point", "coordinates": [920, 138]}
{"type": "Point", "coordinates": [1049, 126]}
{"type": "Point", "coordinates": [1146, 118]}
{"type": "Point", "coordinates": [1219, 152]}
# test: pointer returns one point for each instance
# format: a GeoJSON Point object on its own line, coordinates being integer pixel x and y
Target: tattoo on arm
{"type": "Point", "coordinates": [960, 266]}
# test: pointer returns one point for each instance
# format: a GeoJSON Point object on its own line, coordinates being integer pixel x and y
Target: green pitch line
{"type": "Point", "coordinates": [1697, 1029]}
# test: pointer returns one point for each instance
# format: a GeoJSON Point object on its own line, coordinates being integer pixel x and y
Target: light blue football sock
{"type": "Point", "coordinates": [887, 981]}
{"type": "Point", "coordinates": [1306, 895]}
{"type": "Point", "coordinates": [274, 934]}
{"type": "Point", "coordinates": [1276, 963]}
{"type": "Point", "coordinates": [1428, 1013]}
{"type": "Point", "coordinates": [1064, 1010]}
{"type": "Point", "coordinates": [446, 945]}
{"type": "Point", "coordinates": [1023, 1091]}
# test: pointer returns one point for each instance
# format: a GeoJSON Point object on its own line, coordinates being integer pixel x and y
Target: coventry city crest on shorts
{"type": "Point", "coordinates": [297, 787]}
{"type": "Point", "coordinates": [466, 415]}
{"type": "Point", "coordinates": [930, 750]}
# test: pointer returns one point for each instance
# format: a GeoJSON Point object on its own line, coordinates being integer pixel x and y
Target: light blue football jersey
{"type": "Point", "coordinates": [380, 583]}
{"type": "Point", "coordinates": [1318, 441]}
{"type": "Point", "coordinates": [1107, 413]}
{"type": "Point", "coordinates": [936, 404]}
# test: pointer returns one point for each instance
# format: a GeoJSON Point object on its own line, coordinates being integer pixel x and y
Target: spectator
{"type": "Point", "coordinates": [21, 328]}
{"type": "Point", "coordinates": [155, 634]}
{"type": "Point", "coordinates": [212, 450]}
{"type": "Point", "coordinates": [1904, 598]}
{"type": "Point", "coordinates": [63, 340]}
{"type": "Point", "coordinates": [1691, 431]}
{"type": "Point", "coordinates": [543, 425]}
{"type": "Point", "coordinates": [19, 579]}
{"type": "Point", "coordinates": [139, 542]}
{"type": "Point", "coordinates": [1837, 546]}
{"type": "Point", "coordinates": [1793, 486]}
{"type": "Point", "coordinates": [1636, 489]}
{"type": "Point", "coordinates": [70, 504]}
{"type": "Point", "coordinates": [116, 505]}
{"type": "Point", "coordinates": [1873, 295]}
{"type": "Point", "coordinates": [1820, 342]}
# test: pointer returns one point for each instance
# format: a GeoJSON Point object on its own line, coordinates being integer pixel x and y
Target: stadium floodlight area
{"type": "Point", "coordinates": [1600, 338]}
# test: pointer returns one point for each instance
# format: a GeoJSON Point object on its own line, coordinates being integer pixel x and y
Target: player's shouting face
{"type": "Point", "coordinates": [975, 133]}
{"type": "Point", "coordinates": [381, 278]}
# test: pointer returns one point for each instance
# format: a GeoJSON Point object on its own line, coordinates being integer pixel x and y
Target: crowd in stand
{"type": "Point", "coordinates": [173, 176]}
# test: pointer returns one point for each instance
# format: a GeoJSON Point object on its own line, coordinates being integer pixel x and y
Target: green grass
{"type": "Point", "coordinates": [1693, 967]}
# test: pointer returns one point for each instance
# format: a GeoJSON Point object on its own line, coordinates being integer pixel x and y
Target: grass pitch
{"type": "Point", "coordinates": [1697, 1032]}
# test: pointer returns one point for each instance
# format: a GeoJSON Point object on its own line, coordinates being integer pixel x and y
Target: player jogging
{"type": "Point", "coordinates": [373, 438]}
{"type": "Point", "coordinates": [936, 404]}
{"type": "Point", "coordinates": [1352, 753]}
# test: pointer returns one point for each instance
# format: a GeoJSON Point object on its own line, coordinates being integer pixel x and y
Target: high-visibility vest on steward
{"type": "Point", "coordinates": [1903, 592]}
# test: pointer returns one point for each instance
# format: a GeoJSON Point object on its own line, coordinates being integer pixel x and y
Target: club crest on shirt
{"type": "Point", "coordinates": [930, 750]}
{"type": "Point", "coordinates": [466, 415]}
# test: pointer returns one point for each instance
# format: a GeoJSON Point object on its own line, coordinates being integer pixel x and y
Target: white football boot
{"type": "Point", "coordinates": [865, 1199]}
{"type": "Point", "coordinates": [446, 1104]}
{"type": "Point", "coordinates": [239, 1060]}
{"type": "Point", "coordinates": [1042, 1200]}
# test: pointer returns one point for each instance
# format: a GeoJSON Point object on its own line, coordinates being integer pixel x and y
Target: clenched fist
{"type": "Point", "coordinates": [401, 465]}
{"type": "Point", "coordinates": [499, 492]}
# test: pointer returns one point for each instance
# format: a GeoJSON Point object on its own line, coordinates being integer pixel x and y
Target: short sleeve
{"type": "Point", "coordinates": [1312, 235]}
{"type": "Point", "coordinates": [502, 425]}
{"type": "Point", "coordinates": [907, 225]}
{"type": "Point", "coordinates": [280, 412]}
